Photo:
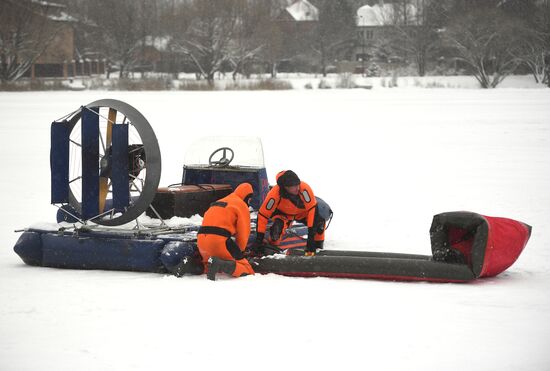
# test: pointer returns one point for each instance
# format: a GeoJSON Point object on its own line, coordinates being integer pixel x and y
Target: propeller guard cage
{"type": "Point", "coordinates": [107, 165]}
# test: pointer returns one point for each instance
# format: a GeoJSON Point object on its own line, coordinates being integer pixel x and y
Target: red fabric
{"type": "Point", "coordinates": [506, 240]}
{"type": "Point", "coordinates": [460, 241]}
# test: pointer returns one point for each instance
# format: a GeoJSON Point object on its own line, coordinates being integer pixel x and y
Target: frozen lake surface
{"type": "Point", "coordinates": [386, 160]}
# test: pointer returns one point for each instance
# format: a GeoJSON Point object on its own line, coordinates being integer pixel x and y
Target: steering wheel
{"type": "Point", "coordinates": [224, 161]}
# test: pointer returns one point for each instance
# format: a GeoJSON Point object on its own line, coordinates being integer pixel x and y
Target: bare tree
{"type": "Point", "coordinates": [534, 51]}
{"type": "Point", "coordinates": [486, 41]}
{"type": "Point", "coordinates": [336, 27]}
{"type": "Point", "coordinates": [249, 41]}
{"type": "Point", "coordinates": [414, 30]}
{"type": "Point", "coordinates": [273, 35]}
{"type": "Point", "coordinates": [544, 22]}
{"type": "Point", "coordinates": [25, 33]}
{"type": "Point", "coordinates": [120, 28]}
{"type": "Point", "coordinates": [207, 41]}
{"type": "Point", "coordinates": [175, 20]}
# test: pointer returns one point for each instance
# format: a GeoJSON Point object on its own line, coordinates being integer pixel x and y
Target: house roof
{"type": "Point", "coordinates": [48, 4]}
{"type": "Point", "coordinates": [54, 11]}
{"type": "Point", "coordinates": [160, 43]}
{"type": "Point", "coordinates": [303, 10]}
{"type": "Point", "coordinates": [62, 17]}
{"type": "Point", "coordinates": [384, 14]}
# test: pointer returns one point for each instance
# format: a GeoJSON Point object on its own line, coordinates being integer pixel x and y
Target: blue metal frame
{"type": "Point", "coordinates": [90, 162]}
{"type": "Point", "coordinates": [119, 174]}
{"type": "Point", "coordinates": [59, 162]}
{"type": "Point", "coordinates": [256, 177]}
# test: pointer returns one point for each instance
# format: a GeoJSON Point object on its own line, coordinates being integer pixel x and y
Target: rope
{"type": "Point", "coordinates": [68, 115]}
{"type": "Point", "coordinates": [100, 115]}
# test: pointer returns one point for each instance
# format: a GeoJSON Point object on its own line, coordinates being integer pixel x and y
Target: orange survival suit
{"type": "Point", "coordinates": [283, 208]}
{"type": "Point", "coordinates": [225, 230]}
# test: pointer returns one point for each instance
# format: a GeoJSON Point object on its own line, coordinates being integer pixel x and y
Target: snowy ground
{"type": "Point", "coordinates": [386, 160]}
{"type": "Point", "coordinates": [301, 81]}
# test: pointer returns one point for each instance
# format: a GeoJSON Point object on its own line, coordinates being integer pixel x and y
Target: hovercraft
{"type": "Point", "coordinates": [105, 170]}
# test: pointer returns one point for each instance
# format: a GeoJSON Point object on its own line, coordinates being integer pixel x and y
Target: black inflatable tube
{"type": "Point", "coordinates": [92, 250]}
{"type": "Point", "coordinates": [362, 254]}
{"type": "Point", "coordinates": [389, 268]}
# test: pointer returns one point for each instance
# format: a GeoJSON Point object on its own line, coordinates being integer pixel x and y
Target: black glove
{"type": "Point", "coordinates": [257, 248]}
{"type": "Point", "coordinates": [311, 246]}
{"type": "Point", "coordinates": [260, 237]}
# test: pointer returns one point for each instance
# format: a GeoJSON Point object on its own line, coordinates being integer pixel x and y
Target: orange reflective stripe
{"type": "Point", "coordinates": [307, 195]}
{"type": "Point", "coordinates": [270, 204]}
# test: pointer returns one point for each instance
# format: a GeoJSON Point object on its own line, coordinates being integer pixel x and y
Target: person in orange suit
{"type": "Point", "coordinates": [224, 233]}
{"type": "Point", "coordinates": [290, 200]}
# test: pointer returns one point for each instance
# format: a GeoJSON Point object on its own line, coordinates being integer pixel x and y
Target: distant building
{"type": "Point", "coordinates": [295, 26]}
{"type": "Point", "coordinates": [374, 21]}
{"type": "Point", "coordinates": [60, 57]}
{"type": "Point", "coordinates": [300, 11]}
{"type": "Point", "coordinates": [298, 17]}
{"type": "Point", "coordinates": [154, 53]}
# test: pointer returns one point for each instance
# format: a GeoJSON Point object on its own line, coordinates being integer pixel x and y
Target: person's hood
{"type": "Point", "coordinates": [244, 190]}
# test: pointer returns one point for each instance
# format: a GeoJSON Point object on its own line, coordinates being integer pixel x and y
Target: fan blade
{"type": "Point", "coordinates": [103, 191]}
{"type": "Point", "coordinates": [104, 181]}
{"type": "Point", "coordinates": [110, 122]}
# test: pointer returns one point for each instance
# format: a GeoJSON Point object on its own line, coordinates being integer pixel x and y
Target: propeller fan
{"type": "Point", "coordinates": [105, 162]}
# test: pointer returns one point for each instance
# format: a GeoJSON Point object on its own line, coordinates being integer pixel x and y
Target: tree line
{"type": "Point", "coordinates": [489, 39]}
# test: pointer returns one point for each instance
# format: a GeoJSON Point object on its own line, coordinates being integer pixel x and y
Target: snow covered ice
{"type": "Point", "coordinates": [386, 160]}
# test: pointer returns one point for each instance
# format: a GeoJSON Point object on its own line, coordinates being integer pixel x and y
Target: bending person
{"type": "Point", "coordinates": [224, 233]}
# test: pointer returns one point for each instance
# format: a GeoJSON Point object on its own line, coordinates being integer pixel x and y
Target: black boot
{"type": "Point", "coordinates": [217, 265]}
{"type": "Point", "coordinates": [188, 265]}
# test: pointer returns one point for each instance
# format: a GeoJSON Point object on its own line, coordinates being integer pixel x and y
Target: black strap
{"type": "Point", "coordinates": [259, 213]}
{"type": "Point", "coordinates": [219, 204]}
{"type": "Point", "coordinates": [233, 249]}
{"type": "Point", "coordinates": [214, 230]}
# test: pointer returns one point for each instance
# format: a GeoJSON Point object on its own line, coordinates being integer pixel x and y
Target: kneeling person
{"type": "Point", "coordinates": [224, 233]}
{"type": "Point", "coordinates": [290, 200]}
